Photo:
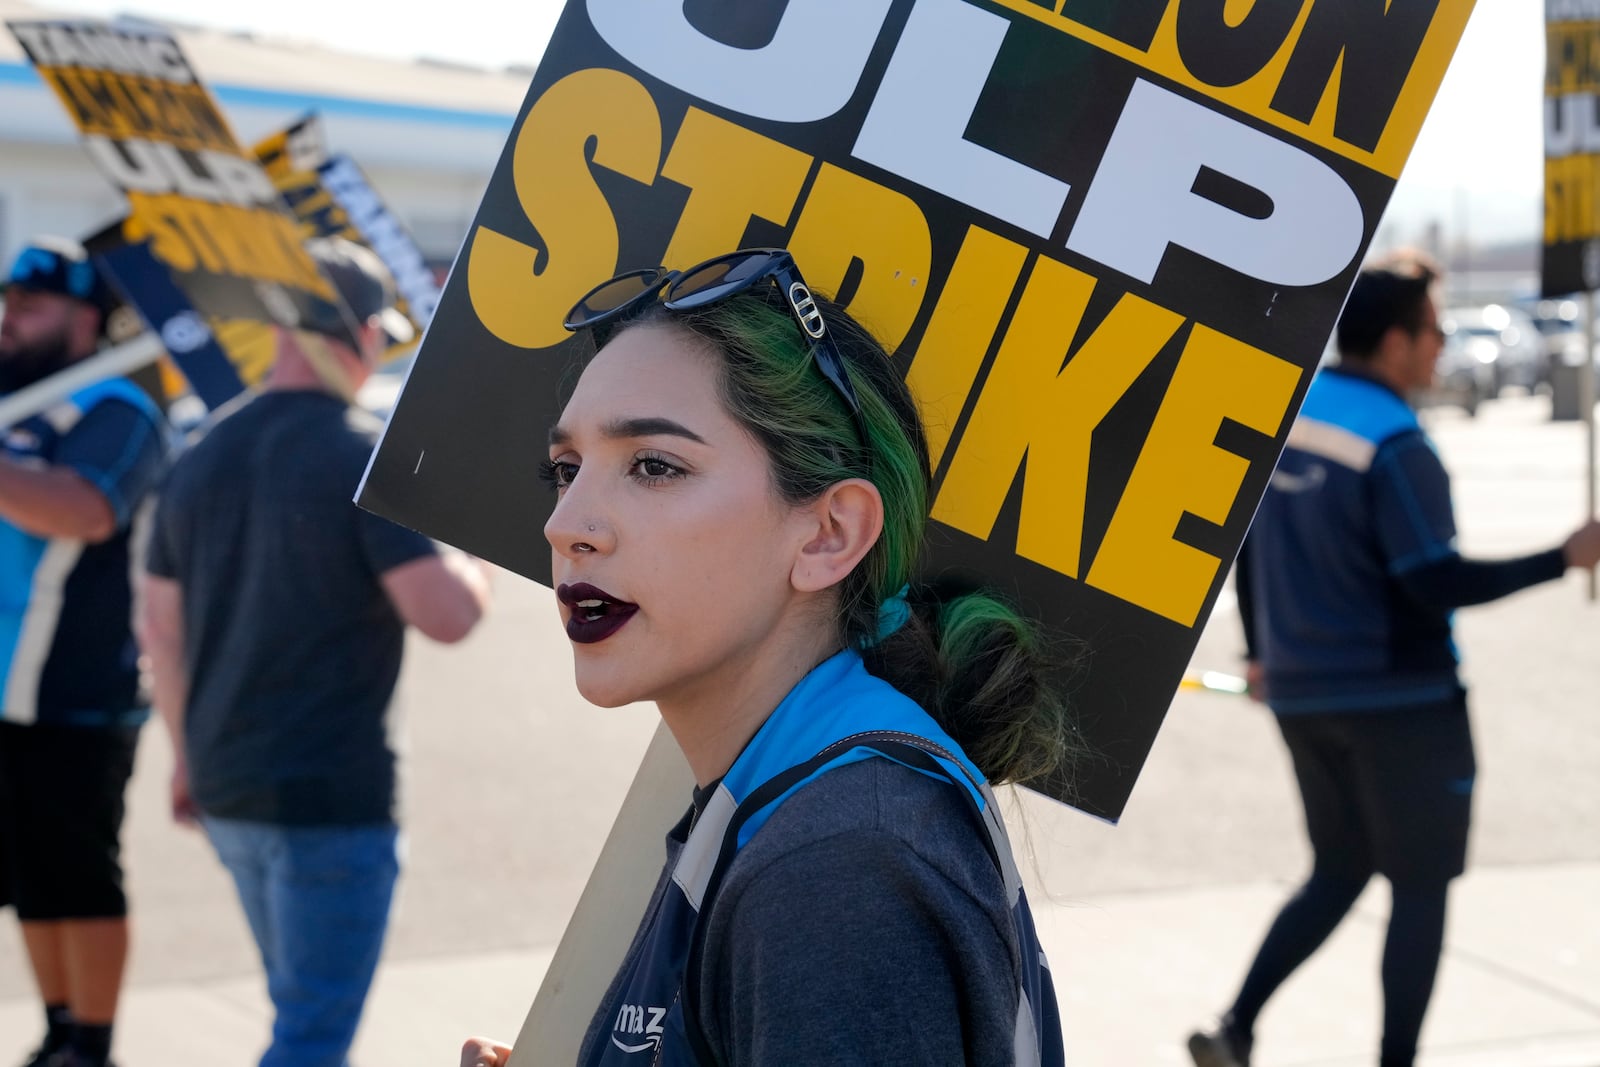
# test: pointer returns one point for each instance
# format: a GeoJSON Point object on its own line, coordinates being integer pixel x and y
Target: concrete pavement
{"type": "Point", "coordinates": [1149, 925]}
{"type": "Point", "coordinates": [1520, 986]}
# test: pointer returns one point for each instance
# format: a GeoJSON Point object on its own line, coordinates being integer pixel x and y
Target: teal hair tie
{"type": "Point", "coordinates": [893, 613]}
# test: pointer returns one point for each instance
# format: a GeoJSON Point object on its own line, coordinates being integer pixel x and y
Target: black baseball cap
{"type": "Point", "coordinates": [61, 265]}
{"type": "Point", "coordinates": [365, 285]}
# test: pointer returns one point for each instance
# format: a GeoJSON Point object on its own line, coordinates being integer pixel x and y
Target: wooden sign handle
{"type": "Point", "coordinates": [608, 913]}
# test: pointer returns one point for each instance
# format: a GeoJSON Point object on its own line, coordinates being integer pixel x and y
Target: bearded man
{"type": "Point", "coordinates": [71, 479]}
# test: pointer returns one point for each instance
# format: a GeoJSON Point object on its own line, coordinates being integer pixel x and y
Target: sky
{"type": "Point", "coordinates": [1476, 169]}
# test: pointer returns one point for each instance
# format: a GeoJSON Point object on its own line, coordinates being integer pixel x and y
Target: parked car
{"type": "Point", "coordinates": [1465, 374]}
{"type": "Point", "coordinates": [1560, 324]}
{"type": "Point", "coordinates": [1518, 358]}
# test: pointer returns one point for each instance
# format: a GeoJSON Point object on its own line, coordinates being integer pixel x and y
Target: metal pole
{"type": "Point", "coordinates": [1586, 399]}
{"type": "Point", "coordinates": [47, 392]}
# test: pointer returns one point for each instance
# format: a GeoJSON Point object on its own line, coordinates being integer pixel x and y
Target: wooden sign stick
{"type": "Point", "coordinates": [613, 901]}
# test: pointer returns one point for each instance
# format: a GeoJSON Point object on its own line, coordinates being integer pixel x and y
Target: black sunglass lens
{"type": "Point", "coordinates": [717, 279]}
{"type": "Point", "coordinates": [619, 292]}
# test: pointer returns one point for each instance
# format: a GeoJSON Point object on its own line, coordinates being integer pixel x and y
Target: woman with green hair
{"type": "Point", "coordinates": [743, 484]}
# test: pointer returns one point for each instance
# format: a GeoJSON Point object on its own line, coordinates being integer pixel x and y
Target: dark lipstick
{"type": "Point", "coordinates": [595, 614]}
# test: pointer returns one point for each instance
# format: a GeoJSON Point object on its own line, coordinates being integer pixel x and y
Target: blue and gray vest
{"type": "Point", "coordinates": [1359, 498]}
{"type": "Point", "coordinates": [838, 714]}
{"type": "Point", "coordinates": [67, 654]}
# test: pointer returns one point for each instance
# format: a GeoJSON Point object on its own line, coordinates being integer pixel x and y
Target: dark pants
{"type": "Point", "coordinates": [1387, 792]}
{"type": "Point", "coordinates": [61, 811]}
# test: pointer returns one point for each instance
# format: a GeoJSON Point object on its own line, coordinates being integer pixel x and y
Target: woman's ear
{"type": "Point", "coordinates": [848, 518]}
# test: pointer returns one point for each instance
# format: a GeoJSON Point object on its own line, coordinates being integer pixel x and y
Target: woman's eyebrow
{"type": "Point", "coordinates": [649, 426]}
{"type": "Point", "coordinates": [642, 426]}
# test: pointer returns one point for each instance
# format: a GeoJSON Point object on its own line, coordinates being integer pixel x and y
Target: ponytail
{"type": "Point", "coordinates": [988, 677]}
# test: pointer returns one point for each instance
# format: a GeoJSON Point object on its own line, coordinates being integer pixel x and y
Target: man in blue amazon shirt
{"type": "Point", "coordinates": [71, 479]}
{"type": "Point", "coordinates": [1346, 585]}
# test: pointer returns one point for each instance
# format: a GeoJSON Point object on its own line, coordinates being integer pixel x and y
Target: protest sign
{"type": "Point", "coordinates": [1571, 246]}
{"type": "Point", "coordinates": [296, 150]}
{"type": "Point", "coordinates": [332, 197]}
{"type": "Point", "coordinates": [1570, 262]}
{"type": "Point", "coordinates": [206, 208]}
{"type": "Point", "coordinates": [1106, 241]}
{"type": "Point", "coordinates": [203, 209]}
{"type": "Point", "coordinates": [211, 372]}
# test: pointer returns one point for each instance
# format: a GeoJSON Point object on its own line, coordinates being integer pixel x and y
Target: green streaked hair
{"type": "Point", "coordinates": [979, 667]}
{"type": "Point", "coordinates": [771, 387]}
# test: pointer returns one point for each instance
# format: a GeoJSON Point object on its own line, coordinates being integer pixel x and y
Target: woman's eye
{"type": "Point", "coordinates": [652, 470]}
{"type": "Point", "coordinates": [558, 474]}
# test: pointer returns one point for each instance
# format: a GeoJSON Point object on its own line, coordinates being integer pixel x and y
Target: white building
{"type": "Point", "coordinates": [427, 134]}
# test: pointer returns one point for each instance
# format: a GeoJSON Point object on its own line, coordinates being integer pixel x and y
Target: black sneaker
{"type": "Point", "coordinates": [67, 1056]}
{"type": "Point", "coordinates": [46, 1055]}
{"type": "Point", "coordinates": [1220, 1047]}
{"type": "Point", "coordinates": [74, 1057]}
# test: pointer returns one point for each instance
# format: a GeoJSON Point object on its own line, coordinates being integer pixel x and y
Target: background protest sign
{"type": "Point", "coordinates": [1570, 260]}
{"type": "Point", "coordinates": [1107, 243]}
{"type": "Point", "coordinates": [205, 210]}
{"type": "Point", "coordinates": [213, 373]}
{"type": "Point", "coordinates": [331, 197]}
{"type": "Point", "coordinates": [1571, 246]}
{"type": "Point", "coordinates": [293, 152]}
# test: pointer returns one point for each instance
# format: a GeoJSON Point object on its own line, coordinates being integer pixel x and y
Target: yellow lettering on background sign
{"type": "Point", "coordinates": [169, 241]}
{"type": "Point", "coordinates": [226, 239]}
{"type": "Point", "coordinates": [1571, 189]}
{"type": "Point", "coordinates": [314, 208]}
{"type": "Point", "coordinates": [237, 246]}
{"type": "Point", "coordinates": [520, 294]}
{"type": "Point", "coordinates": [724, 195]}
{"type": "Point", "coordinates": [304, 270]}
{"type": "Point", "coordinates": [847, 217]}
{"type": "Point", "coordinates": [272, 152]}
{"type": "Point", "coordinates": [251, 346]}
{"type": "Point", "coordinates": [1032, 407]}
{"type": "Point", "coordinates": [87, 114]}
{"type": "Point", "coordinates": [1180, 469]}
{"type": "Point", "coordinates": [961, 329]}
{"type": "Point", "coordinates": [130, 107]}
{"type": "Point", "coordinates": [1572, 58]}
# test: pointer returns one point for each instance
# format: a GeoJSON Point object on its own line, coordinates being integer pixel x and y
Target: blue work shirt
{"type": "Point", "coordinates": [1359, 500]}
{"type": "Point", "coordinates": [67, 653]}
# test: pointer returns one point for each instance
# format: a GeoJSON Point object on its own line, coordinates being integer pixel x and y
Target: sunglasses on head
{"type": "Point", "coordinates": [717, 279]}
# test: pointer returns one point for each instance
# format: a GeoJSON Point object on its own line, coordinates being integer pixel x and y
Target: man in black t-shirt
{"type": "Point", "coordinates": [273, 611]}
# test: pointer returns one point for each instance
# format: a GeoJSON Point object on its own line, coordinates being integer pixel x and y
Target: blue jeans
{"type": "Point", "coordinates": [317, 899]}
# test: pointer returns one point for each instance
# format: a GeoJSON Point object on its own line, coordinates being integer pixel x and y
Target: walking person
{"type": "Point", "coordinates": [72, 479]}
{"type": "Point", "coordinates": [1347, 582]}
{"type": "Point", "coordinates": [274, 613]}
